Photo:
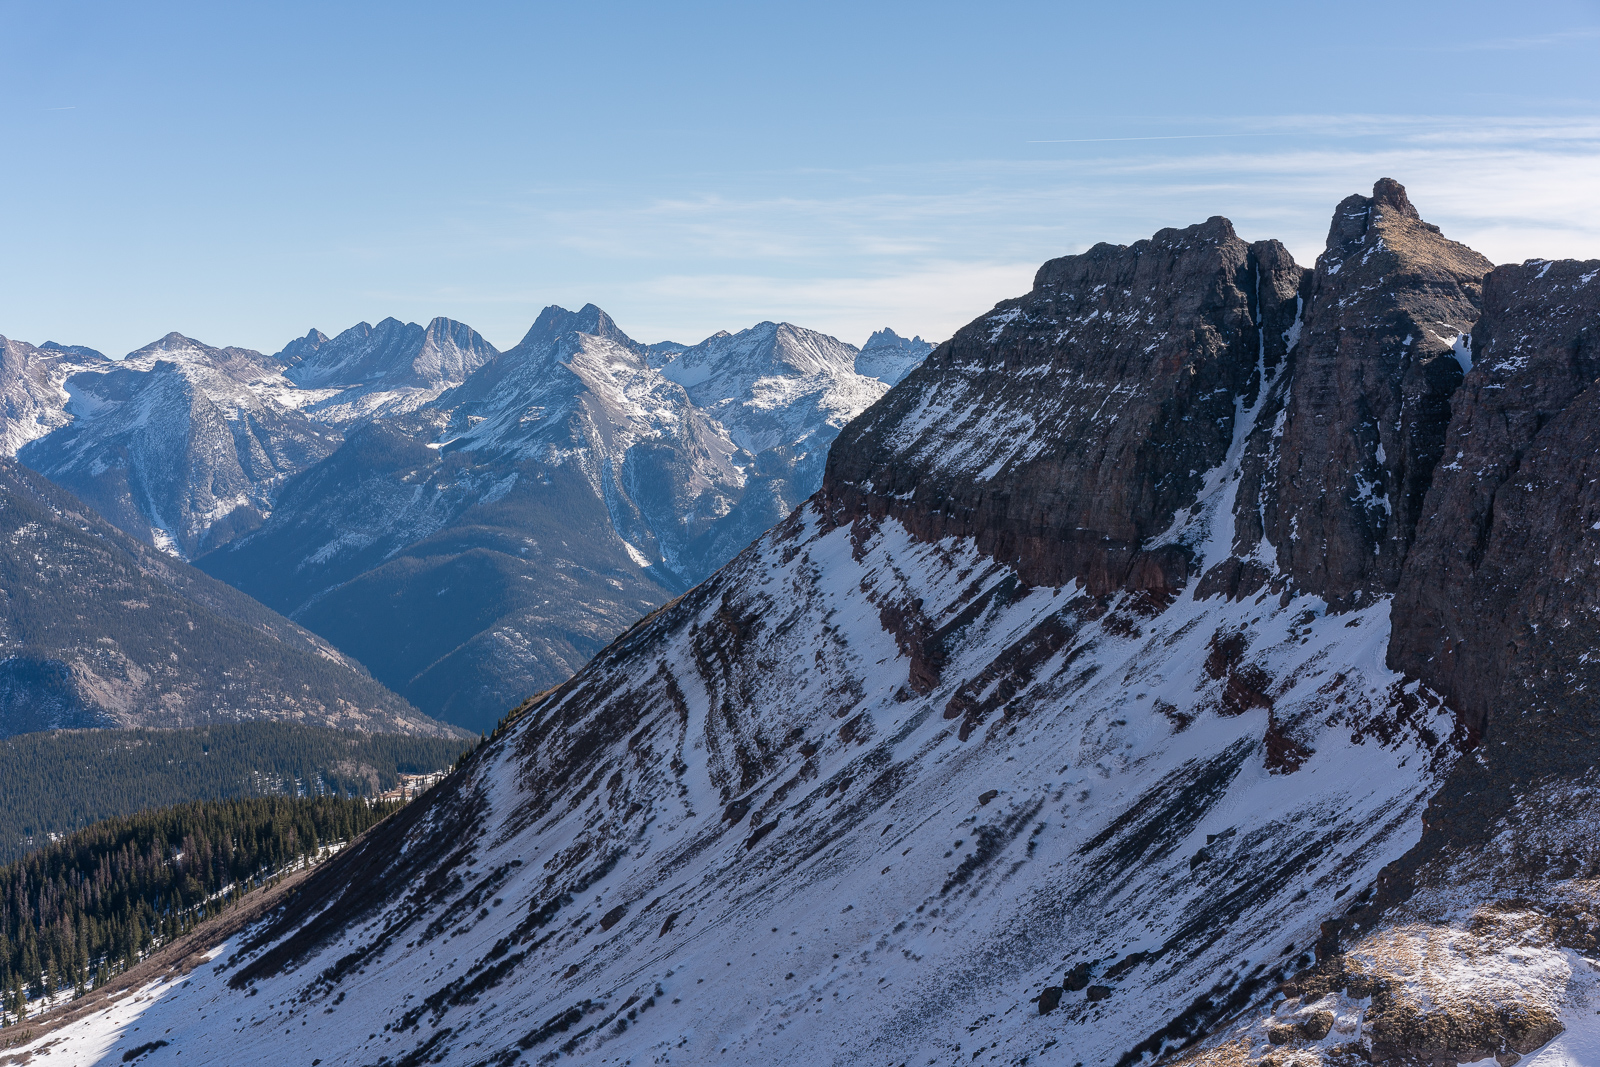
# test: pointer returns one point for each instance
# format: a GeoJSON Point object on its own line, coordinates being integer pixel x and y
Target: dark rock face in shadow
{"type": "Point", "coordinates": [1364, 418]}
{"type": "Point", "coordinates": [1502, 577]}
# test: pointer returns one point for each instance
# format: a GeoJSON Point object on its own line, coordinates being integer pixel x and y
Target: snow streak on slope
{"type": "Point", "coordinates": [859, 798]}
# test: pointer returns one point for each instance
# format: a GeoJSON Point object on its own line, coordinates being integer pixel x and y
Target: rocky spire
{"type": "Point", "coordinates": [1365, 414]}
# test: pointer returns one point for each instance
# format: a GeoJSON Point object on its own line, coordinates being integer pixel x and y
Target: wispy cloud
{"type": "Point", "coordinates": [1574, 35]}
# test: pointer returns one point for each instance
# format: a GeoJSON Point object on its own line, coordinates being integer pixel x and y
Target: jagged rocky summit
{"type": "Point", "coordinates": [1052, 728]}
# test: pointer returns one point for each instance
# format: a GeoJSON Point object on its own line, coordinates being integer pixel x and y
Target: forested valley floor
{"type": "Point", "coordinates": [84, 909]}
{"type": "Point", "coordinates": [56, 782]}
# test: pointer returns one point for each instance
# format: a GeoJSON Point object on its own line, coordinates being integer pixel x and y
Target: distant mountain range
{"type": "Point", "coordinates": [472, 525]}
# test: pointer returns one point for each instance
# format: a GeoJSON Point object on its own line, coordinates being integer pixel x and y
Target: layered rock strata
{"type": "Point", "coordinates": [1065, 430]}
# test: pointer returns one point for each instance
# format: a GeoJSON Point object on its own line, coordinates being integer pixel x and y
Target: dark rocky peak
{"type": "Point", "coordinates": [301, 349]}
{"type": "Point", "coordinates": [1065, 430]}
{"type": "Point", "coordinates": [555, 323]}
{"type": "Point", "coordinates": [1499, 592]}
{"type": "Point", "coordinates": [1363, 422]}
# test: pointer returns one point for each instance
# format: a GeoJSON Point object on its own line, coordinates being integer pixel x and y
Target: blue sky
{"type": "Point", "coordinates": [242, 173]}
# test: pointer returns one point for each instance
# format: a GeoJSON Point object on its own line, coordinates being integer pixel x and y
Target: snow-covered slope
{"type": "Point", "coordinates": [737, 828]}
{"type": "Point", "coordinates": [32, 400]}
{"type": "Point", "coordinates": [989, 753]}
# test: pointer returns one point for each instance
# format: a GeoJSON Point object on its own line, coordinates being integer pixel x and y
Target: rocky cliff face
{"type": "Point", "coordinates": [1500, 589]}
{"type": "Point", "coordinates": [1075, 468]}
{"type": "Point", "coordinates": [1363, 424]}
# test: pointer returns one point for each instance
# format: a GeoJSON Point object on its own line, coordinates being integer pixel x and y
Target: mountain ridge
{"type": "Point", "coordinates": [197, 448]}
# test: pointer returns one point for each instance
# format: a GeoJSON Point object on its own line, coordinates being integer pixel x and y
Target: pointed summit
{"type": "Point", "coordinates": [555, 322]}
{"type": "Point", "coordinates": [301, 349]}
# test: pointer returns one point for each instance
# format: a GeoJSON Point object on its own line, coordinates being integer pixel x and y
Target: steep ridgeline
{"type": "Point", "coordinates": [97, 629]}
{"type": "Point", "coordinates": [488, 544]}
{"type": "Point", "coordinates": [180, 444]}
{"type": "Point", "coordinates": [1020, 741]}
{"type": "Point", "coordinates": [391, 368]}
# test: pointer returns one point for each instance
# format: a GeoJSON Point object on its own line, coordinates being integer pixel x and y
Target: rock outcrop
{"type": "Point", "coordinates": [1363, 422]}
{"type": "Point", "coordinates": [1501, 589]}
{"type": "Point", "coordinates": [1064, 431]}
